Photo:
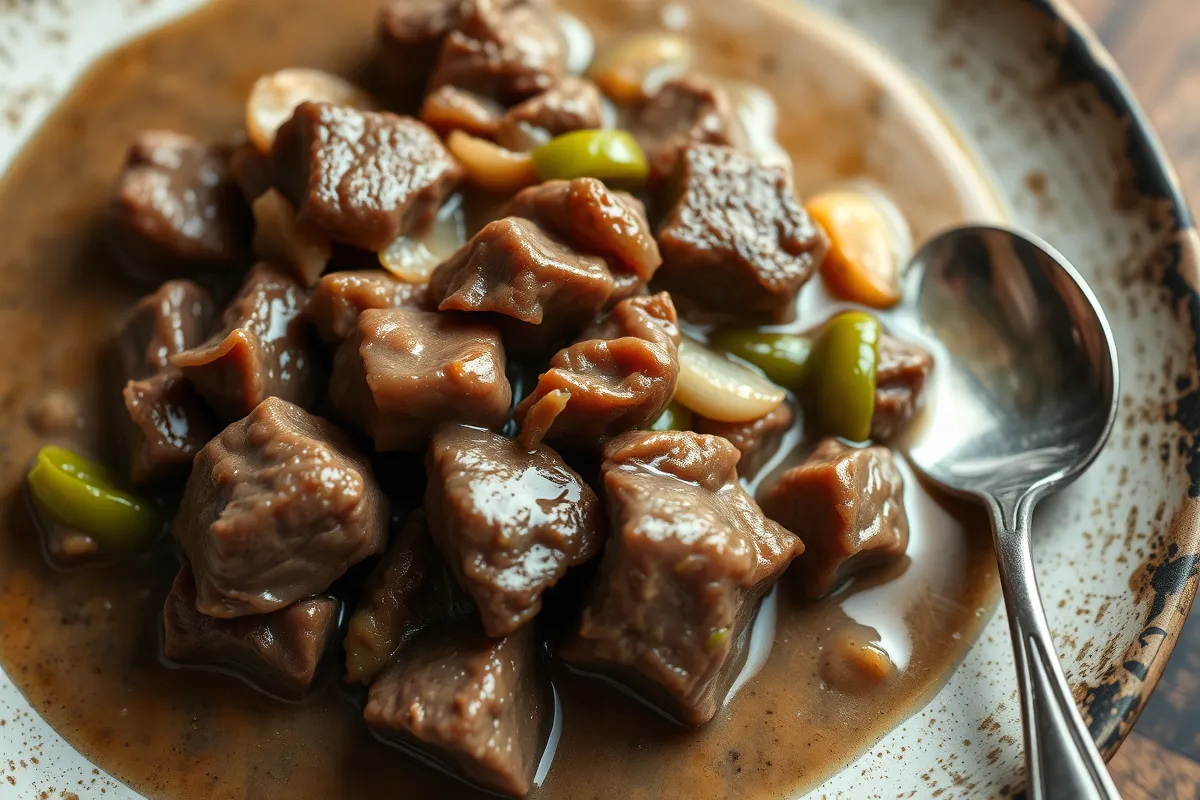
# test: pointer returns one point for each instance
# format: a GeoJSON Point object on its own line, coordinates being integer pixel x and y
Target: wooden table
{"type": "Point", "coordinates": [1156, 42]}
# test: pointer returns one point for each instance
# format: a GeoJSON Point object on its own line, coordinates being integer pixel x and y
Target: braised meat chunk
{"type": "Point", "coordinates": [505, 50]}
{"type": "Point", "coordinates": [757, 440]}
{"type": "Point", "coordinates": [340, 297]}
{"type": "Point", "coordinates": [847, 505]}
{"type": "Point", "coordinates": [168, 424]}
{"type": "Point", "coordinates": [177, 211]}
{"type": "Point", "coordinates": [736, 241]}
{"type": "Point", "coordinates": [573, 104]}
{"type": "Point", "coordinates": [620, 376]}
{"type": "Point", "coordinates": [278, 506]}
{"type": "Point", "coordinates": [691, 109]}
{"type": "Point", "coordinates": [251, 171]}
{"type": "Point", "coordinates": [404, 372]}
{"type": "Point", "coordinates": [281, 653]}
{"type": "Point", "coordinates": [900, 376]}
{"type": "Point", "coordinates": [411, 33]}
{"type": "Point", "coordinates": [410, 589]}
{"type": "Point", "coordinates": [510, 521]}
{"type": "Point", "coordinates": [261, 350]}
{"type": "Point", "coordinates": [472, 703]}
{"type": "Point", "coordinates": [689, 557]}
{"type": "Point", "coordinates": [537, 289]}
{"type": "Point", "coordinates": [591, 217]}
{"type": "Point", "coordinates": [361, 177]}
{"type": "Point", "coordinates": [175, 317]}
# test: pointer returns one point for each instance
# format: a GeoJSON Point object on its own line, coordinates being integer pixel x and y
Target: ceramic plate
{"type": "Point", "coordinates": [1042, 107]}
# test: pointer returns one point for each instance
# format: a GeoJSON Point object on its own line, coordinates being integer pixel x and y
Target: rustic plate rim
{"type": "Point", "coordinates": [1113, 707]}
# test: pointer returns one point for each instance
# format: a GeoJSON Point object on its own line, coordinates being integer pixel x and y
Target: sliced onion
{"type": "Point", "coordinates": [719, 388]}
{"type": "Point", "coordinates": [274, 97]}
{"type": "Point", "coordinates": [580, 44]}
{"type": "Point", "coordinates": [491, 166]}
{"type": "Point", "coordinates": [759, 115]}
{"type": "Point", "coordinates": [414, 258]}
{"type": "Point", "coordinates": [279, 240]}
{"type": "Point", "coordinates": [632, 69]}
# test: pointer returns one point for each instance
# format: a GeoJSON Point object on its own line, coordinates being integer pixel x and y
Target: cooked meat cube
{"type": "Point", "coordinates": [510, 521]}
{"type": "Point", "coordinates": [736, 240]}
{"type": "Point", "coordinates": [251, 171]}
{"type": "Point", "coordinates": [361, 177]}
{"type": "Point", "coordinates": [410, 589]}
{"type": "Point", "coordinates": [170, 422]}
{"type": "Point", "coordinates": [411, 33]}
{"type": "Point", "coordinates": [591, 217]}
{"type": "Point", "coordinates": [177, 211]}
{"type": "Point", "coordinates": [689, 557]}
{"type": "Point", "coordinates": [452, 109]}
{"type": "Point", "coordinates": [900, 376]}
{"type": "Point", "coordinates": [847, 505]}
{"type": "Point", "coordinates": [278, 506]}
{"type": "Point", "coordinates": [757, 440]}
{"type": "Point", "coordinates": [539, 289]}
{"type": "Point", "coordinates": [403, 372]}
{"type": "Point", "coordinates": [261, 350]}
{"type": "Point", "coordinates": [175, 317]}
{"type": "Point", "coordinates": [502, 50]}
{"type": "Point", "coordinates": [280, 653]}
{"type": "Point", "coordinates": [573, 104]}
{"type": "Point", "coordinates": [619, 377]}
{"type": "Point", "coordinates": [340, 297]}
{"type": "Point", "coordinates": [687, 110]}
{"type": "Point", "coordinates": [472, 703]}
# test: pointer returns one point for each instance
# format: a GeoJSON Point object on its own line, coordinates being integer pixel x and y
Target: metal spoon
{"type": "Point", "coordinates": [1026, 399]}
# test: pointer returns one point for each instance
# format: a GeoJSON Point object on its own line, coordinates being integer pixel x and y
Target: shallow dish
{"type": "Point", "coordinates": [1042, 109]}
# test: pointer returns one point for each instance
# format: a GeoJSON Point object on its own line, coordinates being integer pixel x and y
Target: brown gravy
{"type": "Point", "coordinates": [83, 646]}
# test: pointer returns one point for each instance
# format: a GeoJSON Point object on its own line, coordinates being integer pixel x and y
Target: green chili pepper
{"type": "Point", "coordinates": [717, 638]}
{"type": "Point", "coordinates": [675, 418]}
{"type": "Point", "coordinates": [81, 494]}
{"type": "Point", "coordinates": [841, 379]}
{"type": "Point", "coordinates": [781, 356]}
{"type": "Point", "coordinates": [611, 156]}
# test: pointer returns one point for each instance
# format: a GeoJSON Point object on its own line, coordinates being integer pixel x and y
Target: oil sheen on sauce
{"type": "Point", "coordinates": [83, 646]}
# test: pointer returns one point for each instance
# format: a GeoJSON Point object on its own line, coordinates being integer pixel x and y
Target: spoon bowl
{"type": "Point", "coordinates": [1029, 395]}
{"type": "Point", "coordinates": [1026, 398]}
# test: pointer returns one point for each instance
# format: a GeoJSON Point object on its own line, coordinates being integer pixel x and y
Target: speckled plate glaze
{"type": "Point", "coordinates": [1047, 113]}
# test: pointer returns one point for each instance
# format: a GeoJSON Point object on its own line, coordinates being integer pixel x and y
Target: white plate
{"type": "Point", "coordinates": [1046, 112]}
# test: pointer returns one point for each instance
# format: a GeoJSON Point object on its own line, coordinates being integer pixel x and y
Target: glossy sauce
{"type": "Point", "coordinates": [83, 646]}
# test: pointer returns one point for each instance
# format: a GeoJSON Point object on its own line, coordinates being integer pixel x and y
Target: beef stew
{"type": "Point", "coordinates": [569, 266]}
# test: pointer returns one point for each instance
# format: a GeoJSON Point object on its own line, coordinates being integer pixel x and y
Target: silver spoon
{"type": "Point", "coordinates": [1026, 399]}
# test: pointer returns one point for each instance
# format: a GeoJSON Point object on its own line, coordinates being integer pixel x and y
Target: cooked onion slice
{"type": "Point", "coordinates": [634, 68]}
{"type": "Point", "coordinates": [721, 389]}
{"type": "Point", "coordinates": [490, 166]}
{"type": "Point", "coordinates": [414, 258]}
{"type": "Point", "coordinates": [759, 115]}
{"type": "Point", "coordinates": [274, 97]}
{"type": "Point", "coordinates": [279, 240]}
{"type": "Point", "coordinates": [581, 45]}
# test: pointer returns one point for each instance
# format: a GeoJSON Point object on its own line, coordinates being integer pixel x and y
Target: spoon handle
{"type": "Point", "coordinates": [1062, 762]}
